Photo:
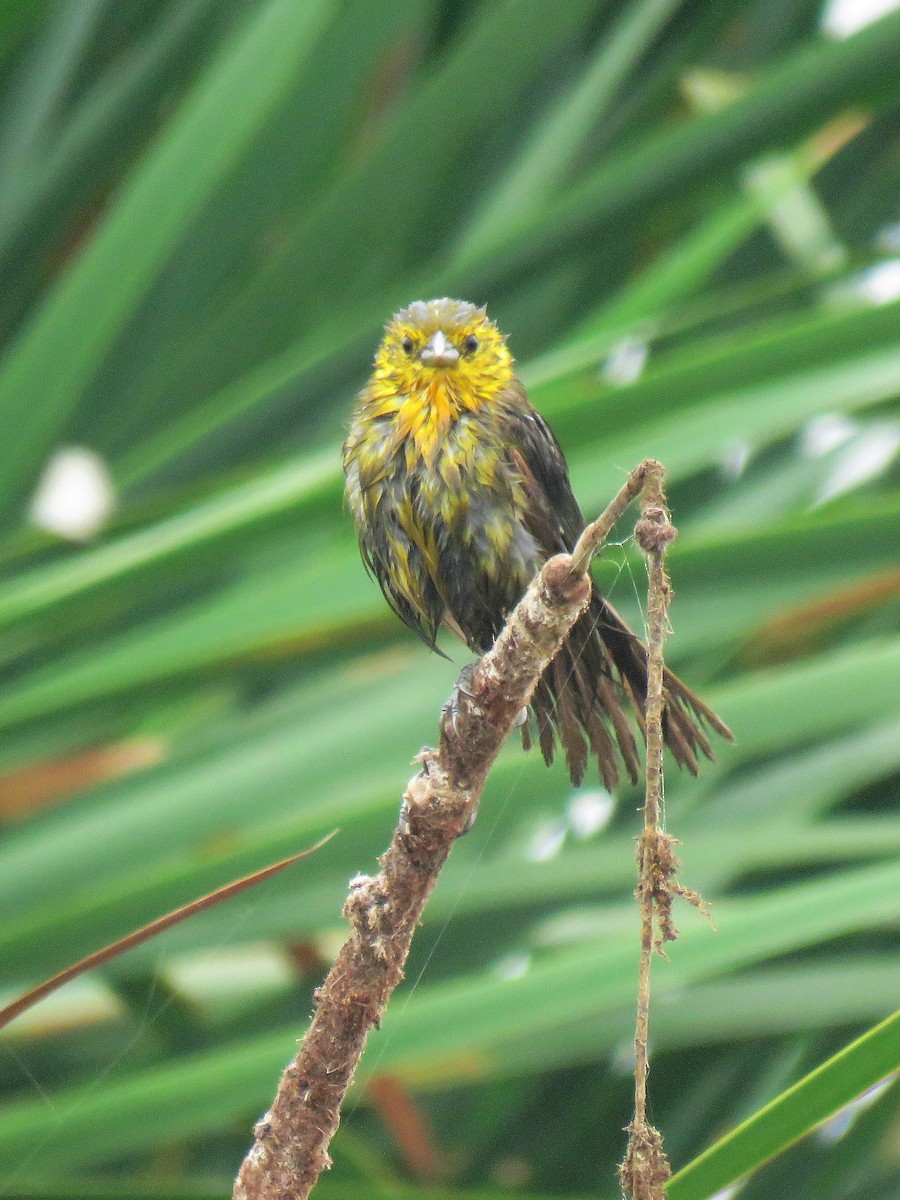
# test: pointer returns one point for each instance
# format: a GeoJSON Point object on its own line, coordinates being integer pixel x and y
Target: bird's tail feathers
{"type": "Point", "coordinates": [597, 685]}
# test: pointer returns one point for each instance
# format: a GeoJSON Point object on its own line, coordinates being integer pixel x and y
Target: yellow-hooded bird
{"type": "Point", "coordinates": [460, 493]}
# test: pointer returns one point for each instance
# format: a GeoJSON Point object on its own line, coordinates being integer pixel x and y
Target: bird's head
{"type": "Point", "coordinates": [447, 346]}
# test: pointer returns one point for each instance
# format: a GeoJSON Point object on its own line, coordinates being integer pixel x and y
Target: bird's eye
{"type": "Point", "coordinates": [407, 345]}
{"type": "Point", "coordinates": [470, 345]}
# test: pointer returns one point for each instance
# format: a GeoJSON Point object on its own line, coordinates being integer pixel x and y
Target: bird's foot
{"type": "Point", "coordinates": [450, 711]}
{"type": "Point", "coordinates": [450, 721]}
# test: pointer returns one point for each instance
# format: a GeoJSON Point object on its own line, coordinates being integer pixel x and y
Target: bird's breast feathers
{"type": "Point", "coordinates": [432, 465]}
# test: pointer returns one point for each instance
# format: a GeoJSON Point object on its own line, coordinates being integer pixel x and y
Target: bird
{"type": "Point", "coordinates": [460, 493]}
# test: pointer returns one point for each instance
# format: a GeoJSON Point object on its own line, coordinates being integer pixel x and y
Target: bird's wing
{"type": "Point", "coordinates": [554, 514]}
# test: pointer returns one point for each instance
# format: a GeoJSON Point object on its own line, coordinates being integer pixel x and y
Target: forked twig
{"type": "Point", "coordinates": [291, 1143]}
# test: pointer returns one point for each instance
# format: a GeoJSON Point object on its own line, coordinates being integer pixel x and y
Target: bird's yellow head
{"type": "Point", "coordinates": [446, 354]}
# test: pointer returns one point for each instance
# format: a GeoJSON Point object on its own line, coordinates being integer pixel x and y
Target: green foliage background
{"type": "Point", "coordinates": [207, 211]}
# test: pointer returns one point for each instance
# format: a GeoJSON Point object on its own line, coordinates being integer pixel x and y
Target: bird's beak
{"type": "Point", "coordinates": [438, 352]}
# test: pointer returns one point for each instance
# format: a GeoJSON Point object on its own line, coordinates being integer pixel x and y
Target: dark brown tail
{"type": "Point", "coordinates": [596, 683]}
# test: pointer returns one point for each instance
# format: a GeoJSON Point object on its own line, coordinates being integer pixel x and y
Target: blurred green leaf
{"type": "Point", "coordinates": [48, 369]}
{"type": "Point", "coordinates": [207, 212]}
{"type": "Point", "coordinates": [812, 1100]}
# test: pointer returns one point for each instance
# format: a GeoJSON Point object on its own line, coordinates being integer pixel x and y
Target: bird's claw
{"type": "Point", "coordinates": [469, 822]}
{"type": "Point", "coordinates": [403, 818]}
{"type": "Point", "coordinates": [450, 711]}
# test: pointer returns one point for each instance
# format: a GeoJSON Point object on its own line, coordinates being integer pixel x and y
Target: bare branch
{"type": "Point", "coordinates": [598, 531]}
{"type": "Point", "coordinates": [645, 1170]}
{"type": "Point", "coordinates": [291, 1147]}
